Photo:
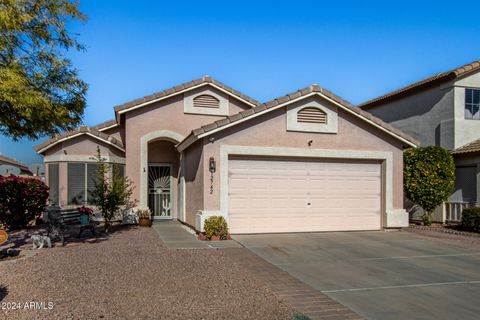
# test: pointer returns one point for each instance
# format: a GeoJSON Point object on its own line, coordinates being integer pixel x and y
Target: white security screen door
{"type": "Point", "coordinates": [160, 191]}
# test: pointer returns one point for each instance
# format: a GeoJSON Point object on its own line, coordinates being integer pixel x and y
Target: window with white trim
{"type": "Point", "coordinates": [472, 104]}
{"type": "Point", "coordinates": [311, 115]}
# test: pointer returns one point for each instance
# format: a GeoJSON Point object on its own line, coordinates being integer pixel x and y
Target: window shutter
{"type": "Point", "coordinates": [206, 101]}
{"type": "Point", "coordinates": [92, 170]}
{"type": "Point", "coordinates": [76, 183]}
{"type": "Point", "coordinates": [312, 115]}
{"type": "Point", "coordinates": [53, 182]}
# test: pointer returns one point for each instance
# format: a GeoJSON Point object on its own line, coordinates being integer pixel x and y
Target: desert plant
{"type": "Point", "coordinates": [21, 200]}
{"type": "Point", "coordinates": [429, 178]}
{"type": "Point", "coordinates": [144, 213]}
{"type": "Point", "coordinates": [216, 226]}
{"type": "Point", "coordinates": [471, 219]}
{"type": "Point", "coordinates": [111, 192]}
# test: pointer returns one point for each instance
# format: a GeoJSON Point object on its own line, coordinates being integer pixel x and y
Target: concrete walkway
{"type": "Point", "coordinates": [177, 236]}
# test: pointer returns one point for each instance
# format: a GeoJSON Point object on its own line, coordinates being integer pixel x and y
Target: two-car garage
{"type": "Point", "coordinates": [302, 195]}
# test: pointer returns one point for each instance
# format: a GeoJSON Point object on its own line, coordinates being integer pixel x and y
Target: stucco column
{"type": "Point", "coordinates": [478, 183]}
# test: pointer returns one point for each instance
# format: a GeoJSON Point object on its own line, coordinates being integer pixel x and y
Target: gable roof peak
{"type": "Point", "coordinates": [423, 84]}
{"type": "Point", "coordinates": [181, 89]}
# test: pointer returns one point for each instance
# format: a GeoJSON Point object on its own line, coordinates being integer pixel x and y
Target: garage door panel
{"type": "Point", "coordinates": [301, 196]}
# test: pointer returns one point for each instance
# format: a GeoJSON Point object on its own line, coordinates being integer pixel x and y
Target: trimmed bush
{"type": "Point", "coordinates": [21, 200]}
{"type": "Point", "coordinates": [216, 226]}
{"type": "Point", "coordinates": [471, 219]}
{"type": "Point", "coordinates": [429, 177]}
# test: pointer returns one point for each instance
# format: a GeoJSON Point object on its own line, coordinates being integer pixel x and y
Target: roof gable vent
{"type": "Point", "coordinates": [312, 115]}
{"type": "Point", "coordinates": [206, 101]}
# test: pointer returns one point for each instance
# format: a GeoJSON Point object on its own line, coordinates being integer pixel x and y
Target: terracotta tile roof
{"type": "Point", "coordinates": [182, 87]}
{"type": "Point", "coordinates": [425, 83]}
{"type": "Point", "coordinates": [105, 124]}
{"type": "Point", "coordinates": [471, 147]}
{"type": "Point", "coordinates": [295, 95]}
{"type": "Point", "coordinates": [13, 162]}
{"type": "Point", "coordinates": [75, 132]}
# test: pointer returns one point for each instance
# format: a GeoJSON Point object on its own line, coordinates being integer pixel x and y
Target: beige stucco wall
{"type": "Point", "coordinates": [269, 130]}
{"type": "Point", "coordinates": [165, 115]}
{"type": "Point", "coordinates": [194, 181]}
{"type": "Point", "coordinates": [83, 145]}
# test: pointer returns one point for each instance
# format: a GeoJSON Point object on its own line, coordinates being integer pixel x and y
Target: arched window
{"type": "Point", "coordinates": [206, 101]}
{"type": "Point", "coordinates": [311, 115]}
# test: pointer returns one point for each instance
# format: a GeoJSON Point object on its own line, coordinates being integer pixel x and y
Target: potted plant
{"type": "Point", "coordinates": [144, 218]}
{"type": "Point", "coordinates": [216, 228]}
{"type": "Point", "coordinates": [85, 215]}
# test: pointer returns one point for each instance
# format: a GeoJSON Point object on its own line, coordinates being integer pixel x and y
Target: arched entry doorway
{"type": "Point", "coordinates": [163, 164]}
{"type": "Point", "coordinates": [160, 163]}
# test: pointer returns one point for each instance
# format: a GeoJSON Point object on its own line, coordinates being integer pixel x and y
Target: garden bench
{"type": "Point", "coordinates": [59, 220]}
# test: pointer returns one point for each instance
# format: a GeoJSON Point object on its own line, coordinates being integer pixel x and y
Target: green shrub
{"type": "Point", "coordinates": [429, 177]}
{"type": "Point", "coordinates": [21, 200]}
{"type": "Point", "coordinates": [111, 192]}
{"type": "Point", "coordinates": [471, 219]}
{"type": "Point", "coordinates": [216, 226]}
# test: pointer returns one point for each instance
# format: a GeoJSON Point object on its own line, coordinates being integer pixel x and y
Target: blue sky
{"type": "Point", "coordinates": [265, 49]}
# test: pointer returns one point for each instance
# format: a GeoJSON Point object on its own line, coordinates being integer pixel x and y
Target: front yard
{"type": "Point", "coordinates": [132, 275]}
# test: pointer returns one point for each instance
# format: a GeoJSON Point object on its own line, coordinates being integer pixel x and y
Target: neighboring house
{"type": "Point", "coordinates": [307, 161]}
{"type": "Point", "coordinates": [11, 166]}
{"type": "Point", "coordinates": [38, 170]}
{"type": "Point", "coordinates": [442, 110]}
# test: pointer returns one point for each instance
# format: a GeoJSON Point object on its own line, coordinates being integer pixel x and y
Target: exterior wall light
{"type": "Point", "coordinates": [212, 168]}
{"type": "Point", "coordinates": [212, 165]}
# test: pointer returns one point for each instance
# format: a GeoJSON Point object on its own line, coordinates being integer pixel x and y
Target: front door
{"type": "Point", "coordinates": [160, 190]}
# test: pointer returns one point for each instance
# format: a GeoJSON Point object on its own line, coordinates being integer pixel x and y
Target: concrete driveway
{"type": "Point", "coordinates": [380, 275]}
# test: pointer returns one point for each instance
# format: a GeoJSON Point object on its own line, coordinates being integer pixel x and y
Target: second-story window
{"type": "Point", "coordinates": [472, 104]}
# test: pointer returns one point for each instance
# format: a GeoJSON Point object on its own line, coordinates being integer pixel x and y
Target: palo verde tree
{"type": "Point", "coordinates": [40, 91]}
{"type": "Point", "coordinates": [112, 190]}
{"type": "Point", "coordinates": [429, 178]}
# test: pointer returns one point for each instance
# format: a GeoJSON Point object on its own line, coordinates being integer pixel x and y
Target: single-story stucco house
{"type": "Point", "coordinates": [11, 166]}
{"type": "Point", "coordinates": [307, 161]}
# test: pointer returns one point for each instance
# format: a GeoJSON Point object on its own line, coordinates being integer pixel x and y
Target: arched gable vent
{"type": "Point", "coordinates": [206, 101]}
{"type": "Point", "coordinates": [312, 115]}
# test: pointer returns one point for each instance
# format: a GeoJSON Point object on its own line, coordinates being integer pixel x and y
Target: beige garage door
{"type": "Point", "coordinates": [270, 195]}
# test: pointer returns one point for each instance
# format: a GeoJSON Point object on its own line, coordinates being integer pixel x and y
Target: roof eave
{"type": "Point", "coordinates": [190, 140]}
{"type": "Point", "coordinates": [119, 110]}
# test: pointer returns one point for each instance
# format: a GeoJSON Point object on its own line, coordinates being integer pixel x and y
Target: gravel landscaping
{"type": "Point", "coordinates": [132, 275]}
{"type": "Point", "coordinates": [452, 236]}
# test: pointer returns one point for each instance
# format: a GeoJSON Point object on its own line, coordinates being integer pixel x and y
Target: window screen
{"type": "Point", "coordinates": [76, 183]}
{"type": "Point", "coordinates": [92, 170]}
{"type": "Point", "coordinates": [119, 169]}
{"type": "Point", "coordinates": [53, 182]}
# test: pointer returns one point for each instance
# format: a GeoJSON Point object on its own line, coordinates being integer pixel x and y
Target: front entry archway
{"type": "Point", "coordinates": [160, 162]}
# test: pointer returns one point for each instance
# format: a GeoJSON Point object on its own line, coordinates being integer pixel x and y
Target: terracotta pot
{"type": "Point", "coordinates": [202, 237]}
{"type": "Point", "coordinates": [215, 238]}
{"type": "Point", "coordinates": [144, 222]}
